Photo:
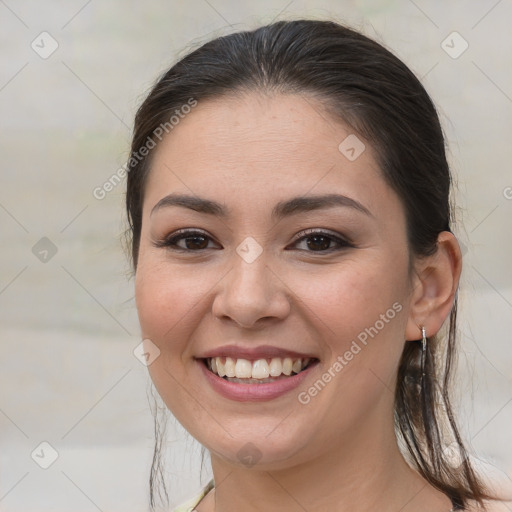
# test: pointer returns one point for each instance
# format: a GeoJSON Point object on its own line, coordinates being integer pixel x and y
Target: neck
{"type": "Point", "coordinates": [362, 470]}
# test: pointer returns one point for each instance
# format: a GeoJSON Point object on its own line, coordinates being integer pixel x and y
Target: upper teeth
{"type": "Point", "coordinates": [259, 369]}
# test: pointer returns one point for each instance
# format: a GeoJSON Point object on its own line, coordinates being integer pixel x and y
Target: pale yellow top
{"type": "Point", "coordinates": [190, 505]}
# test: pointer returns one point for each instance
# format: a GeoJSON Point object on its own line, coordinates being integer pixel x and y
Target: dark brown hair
{"type": "Point", "coordinates": [365, 86]}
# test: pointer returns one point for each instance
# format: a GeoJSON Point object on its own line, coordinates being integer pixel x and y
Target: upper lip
{"type": "Point", "coordinates": [253, 353]}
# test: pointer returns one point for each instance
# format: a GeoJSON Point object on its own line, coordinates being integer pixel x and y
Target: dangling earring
{"type": "Point", "coordinates": [423, 350]}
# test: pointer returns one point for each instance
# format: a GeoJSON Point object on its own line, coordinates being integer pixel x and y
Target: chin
{"type": "Point", "coordinates": [258, 450]}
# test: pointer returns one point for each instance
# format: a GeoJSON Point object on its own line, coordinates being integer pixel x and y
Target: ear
{"type": "Point", "coordinates": [434, 287]}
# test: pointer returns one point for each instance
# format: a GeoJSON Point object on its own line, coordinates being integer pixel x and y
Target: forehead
{"type": "Point", "coordinates": [252, 147]}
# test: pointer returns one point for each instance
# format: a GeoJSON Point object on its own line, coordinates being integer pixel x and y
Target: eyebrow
{"type": "Point", "coordinates": [282, 209]}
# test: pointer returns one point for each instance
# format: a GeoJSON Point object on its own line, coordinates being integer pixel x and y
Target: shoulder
{"type": "Point", "coordinates": [191, 504]}
{"type": "Point", "coordinates": [490, 506]}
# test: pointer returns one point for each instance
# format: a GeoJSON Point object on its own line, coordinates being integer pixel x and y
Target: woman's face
{"type": "Point", "coordinates": [298, 250]}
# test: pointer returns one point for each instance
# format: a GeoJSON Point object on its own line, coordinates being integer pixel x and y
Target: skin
{"type": "Point", "coordinates": [339, 451]}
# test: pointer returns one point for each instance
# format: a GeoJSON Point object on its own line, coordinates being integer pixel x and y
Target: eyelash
{"type": "Point", "coordinates": [170, 241]}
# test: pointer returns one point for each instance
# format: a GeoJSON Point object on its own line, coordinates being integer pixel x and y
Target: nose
{"type": "Point", "coordinates": [251, 295]}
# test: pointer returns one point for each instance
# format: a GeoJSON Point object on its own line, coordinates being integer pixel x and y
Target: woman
{"type": "Point", "coordinates": [288, 200]}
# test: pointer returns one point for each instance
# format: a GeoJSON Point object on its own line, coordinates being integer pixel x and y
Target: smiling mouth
{"type": "Point", "coordinates": [260, 371]}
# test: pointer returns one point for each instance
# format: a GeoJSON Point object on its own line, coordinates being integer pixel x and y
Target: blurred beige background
{"type": "Point", "coordinates": [71, 77]}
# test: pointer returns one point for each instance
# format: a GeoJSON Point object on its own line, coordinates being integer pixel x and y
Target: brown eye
{"type": "Point", "coordinates": [321, 242]}
{"type": "Point", "coordinates": [318, 242]}
{"type": "Point", "coordinates": [187, 241]}
{"type": "Point", "coordinates": [196, 242]}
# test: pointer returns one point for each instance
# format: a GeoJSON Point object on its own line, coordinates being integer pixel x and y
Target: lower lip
{"type": "Point", "coordinates": [254, 392]}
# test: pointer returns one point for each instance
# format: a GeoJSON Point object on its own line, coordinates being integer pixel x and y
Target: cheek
{"type": "Point", "coordinates": [359, 316]}
{"type": "Point", "coordinates": [153, 299]}
{"type": "Point", "coordinates": [167, 305]}
{"type": "Point", "coordinates": [167, 298]}
{"type": "Point", "coordinates": [358, 312]}
{"type": "Point", "coordinates": [350, 297]}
